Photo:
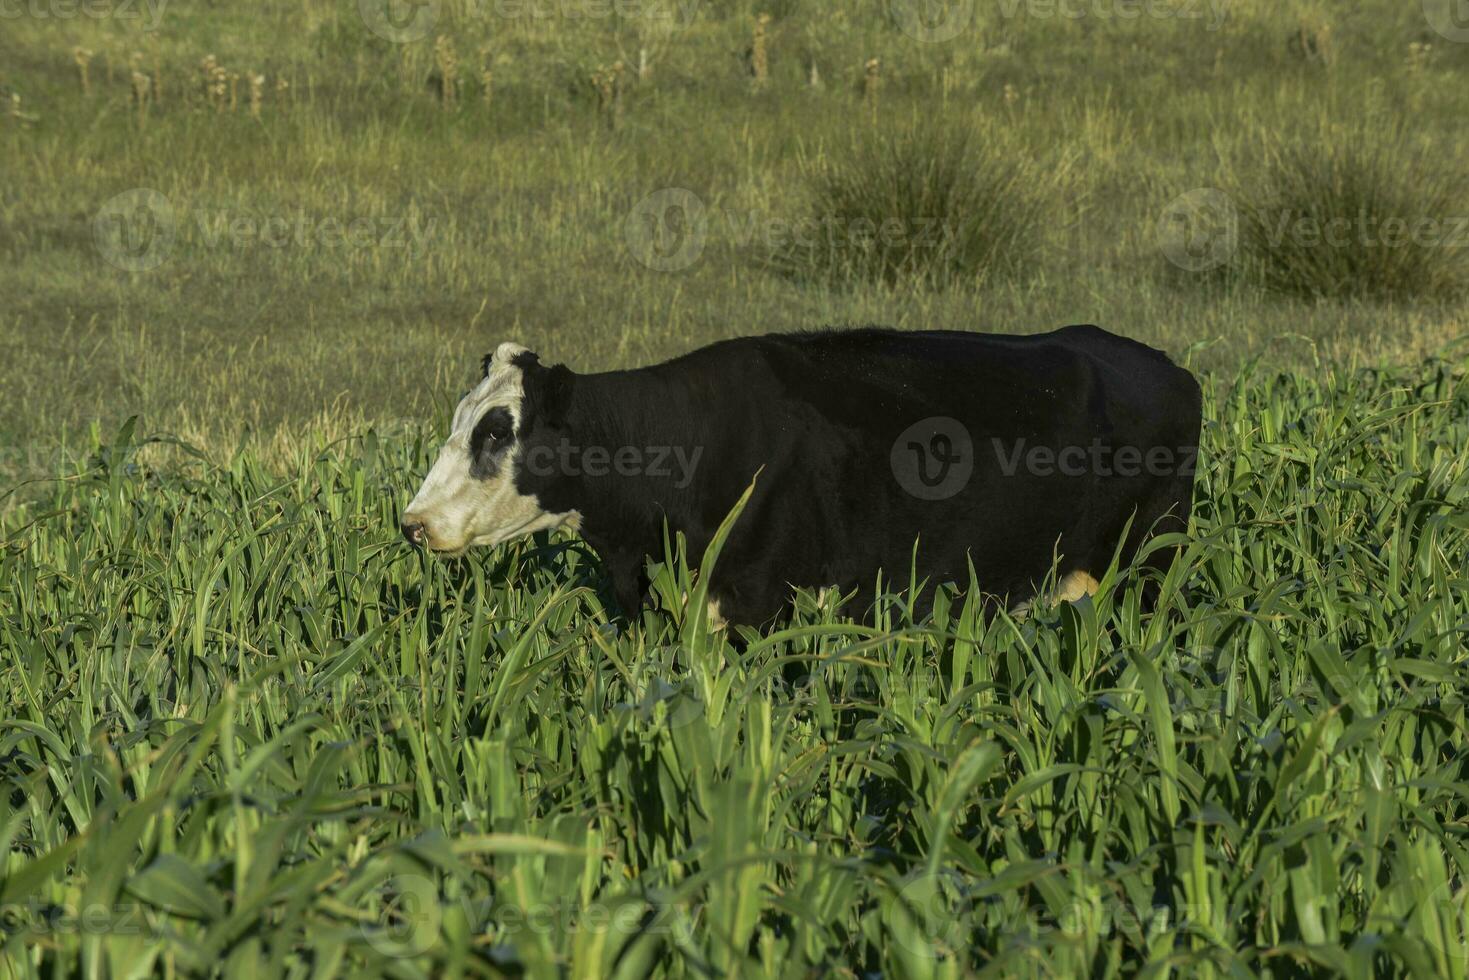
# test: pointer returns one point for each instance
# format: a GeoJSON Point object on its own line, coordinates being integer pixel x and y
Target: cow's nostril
{"type": "Point", "coordinates": [413, 531]}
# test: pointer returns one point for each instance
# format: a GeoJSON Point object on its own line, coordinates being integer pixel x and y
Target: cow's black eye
{"type": "Point", "coordinates": [493, 433]}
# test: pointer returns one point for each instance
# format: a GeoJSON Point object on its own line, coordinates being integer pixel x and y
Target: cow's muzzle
{"type": "Point", "coordinates": [414, 532]}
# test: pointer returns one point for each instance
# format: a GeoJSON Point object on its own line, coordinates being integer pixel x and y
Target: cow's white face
{"type": "Point", "coordinates": [469, 497]}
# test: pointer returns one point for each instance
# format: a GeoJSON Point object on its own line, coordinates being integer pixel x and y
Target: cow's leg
{"type": "Point", "coordinates": [629, 582]}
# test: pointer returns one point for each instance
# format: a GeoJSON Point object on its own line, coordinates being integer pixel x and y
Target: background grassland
{"type": "Point", "coordinates": [523, 203]}
{"type": "Point", "coordinates": [247, 732]}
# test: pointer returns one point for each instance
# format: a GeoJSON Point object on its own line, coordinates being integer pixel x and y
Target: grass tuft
{"type": "Point", "coordinates": [932, 204]}
{"type": "Point", "coordinates": [1356, 213]}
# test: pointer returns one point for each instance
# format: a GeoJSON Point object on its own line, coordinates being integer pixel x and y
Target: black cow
{"type": "Point", "coordinates": [1007, 452]}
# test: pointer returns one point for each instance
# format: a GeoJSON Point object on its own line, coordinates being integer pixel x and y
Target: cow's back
{"type": "Point", "coordinates": [827, 412]}
{"type": "Point", "coordinates": [836, 422]}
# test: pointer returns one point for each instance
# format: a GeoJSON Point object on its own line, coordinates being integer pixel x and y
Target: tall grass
{"type": "Point", "coordinates": [247, 732]}
{"type": "Point", "coordinates": [250, 733]}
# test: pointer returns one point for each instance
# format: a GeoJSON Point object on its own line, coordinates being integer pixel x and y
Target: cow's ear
{"type": "Point", "coordinates": [559, 382]}
{"type": "Point", "coordinates": [547, 390]}
{"type": "Point", "coordinates": [506, 353]}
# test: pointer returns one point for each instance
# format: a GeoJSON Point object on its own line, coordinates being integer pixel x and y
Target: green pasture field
{"type": "Point", "coordinates": [248, 732]}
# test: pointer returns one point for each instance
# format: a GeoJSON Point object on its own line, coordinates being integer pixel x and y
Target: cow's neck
{"type": "Point", "coordinates": [650, 418]}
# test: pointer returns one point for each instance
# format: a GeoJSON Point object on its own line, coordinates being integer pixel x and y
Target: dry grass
{"type": "Point", "coordinates": [524, 201]}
